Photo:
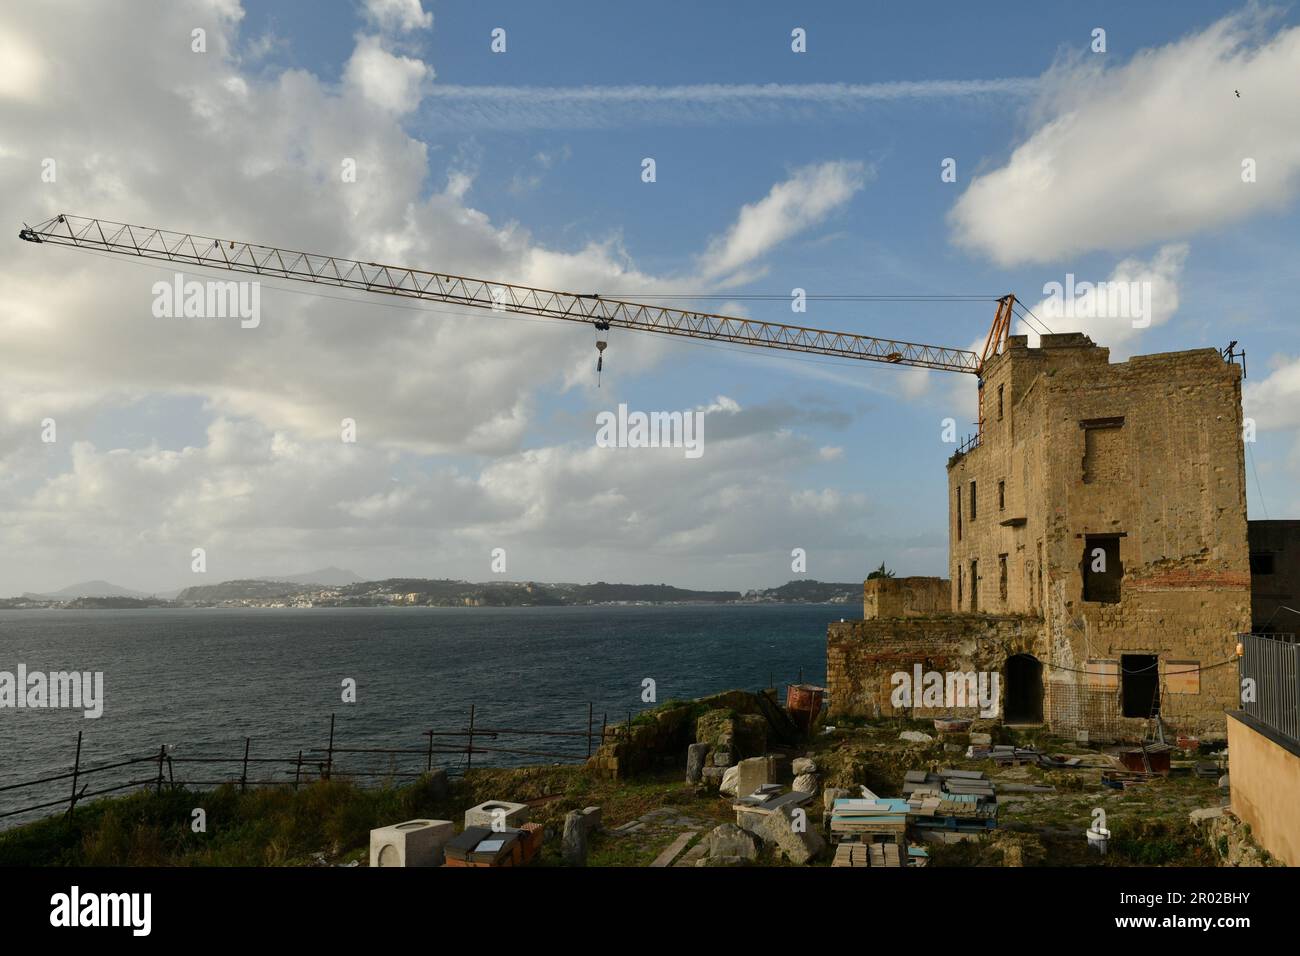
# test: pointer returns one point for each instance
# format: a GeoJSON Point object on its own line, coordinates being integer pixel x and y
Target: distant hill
{"type": "Point", "coordinates": [811, 592]}
{"type": "Point", "coordinates": [239, 590]}
{"type": "Point", "coordinates": [331, 577]}
{"type": "Point", "coordinates": [88, 589]}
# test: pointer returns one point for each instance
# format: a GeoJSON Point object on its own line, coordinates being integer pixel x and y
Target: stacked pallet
{"type": "Point", "coordinates": [971, 782]}
{"type": "Point", "coordinates": [858, 818]}
{"type": "Point", "coordinates": [1003, 754]}
{"type": "Point", "coordinates": [850, 854]}
{"type": "Point", "coordinates": [884, 854]}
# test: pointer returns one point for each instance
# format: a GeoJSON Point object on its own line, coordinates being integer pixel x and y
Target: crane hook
{"type": "Point", "coordinates": [601, 345]}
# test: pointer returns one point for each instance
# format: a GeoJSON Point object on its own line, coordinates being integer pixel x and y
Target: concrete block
{"type": "Point", "coordinates": [413, 843]}
{"type": "Point", "coordinates": [497, 815]}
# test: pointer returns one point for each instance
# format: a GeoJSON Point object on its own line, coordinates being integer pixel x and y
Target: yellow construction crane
{"type": "Point", "coordinates": [601, 312]}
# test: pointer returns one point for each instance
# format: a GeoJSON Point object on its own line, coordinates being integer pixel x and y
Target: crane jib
{"type": "Point", "coordinates": [604, 313]}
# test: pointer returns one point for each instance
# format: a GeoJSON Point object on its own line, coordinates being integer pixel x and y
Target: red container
{"type": "Point", "coordinates": [804, 702]}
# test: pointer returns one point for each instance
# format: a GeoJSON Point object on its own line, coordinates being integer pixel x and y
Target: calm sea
{"type": "Point", "coordinates": [199, 681]}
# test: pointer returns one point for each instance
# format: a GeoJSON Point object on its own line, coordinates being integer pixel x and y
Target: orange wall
{"type": "Point", "coordinates": [1265, 780]}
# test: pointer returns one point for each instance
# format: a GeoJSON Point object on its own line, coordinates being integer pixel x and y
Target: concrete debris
{"type": "Point", "coordinates": [915, 737]}
{"type": "Point", "coordinates": [806, 783]}
{"type": "Point", "coordinates": [730, 841]}
{"type": "Point", "coordinates": [787, 829]}
{"type": "Point", "coordinates": [730, 781]}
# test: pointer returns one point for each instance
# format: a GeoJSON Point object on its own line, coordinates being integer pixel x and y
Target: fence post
{"type": "Point", "coordinates": [297, 773]}
{"type": "Point", "coordinates": [329, 754]}
{"type": "Point", "coordinates": [162, 755]}
{"type": "Point", "coordinates": [428, 760]}
{"type": "Point", "coordinates": [243, 777]}
{"type": "Point", "coordinates": [469, 750]}
{"type": "Point", "coordinates": [604, 725]}
{"type": "Point", "coordinates": [590, 717]}
{"type": "Point", "coordinates": [76, 768]}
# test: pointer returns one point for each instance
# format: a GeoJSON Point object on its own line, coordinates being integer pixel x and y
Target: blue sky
{"type": "Point", "coordinates": [505, 177]}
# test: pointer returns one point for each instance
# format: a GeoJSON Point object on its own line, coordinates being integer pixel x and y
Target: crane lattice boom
{"type": "Point", "coordinates": [236, 256]}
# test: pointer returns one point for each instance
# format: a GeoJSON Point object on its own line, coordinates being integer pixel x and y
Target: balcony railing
{"type": "Point", "coordinates": [1271, 664]}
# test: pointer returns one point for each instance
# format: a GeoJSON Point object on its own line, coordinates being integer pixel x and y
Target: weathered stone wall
{"type": "Point", "coordinates": [905, 597]}
{"type": "Point", "coordinates": [1146, 455]}
{"type": "Point", "coordinates": [863, 656]}
{"type": "Point", "coordinates": [741, 721]}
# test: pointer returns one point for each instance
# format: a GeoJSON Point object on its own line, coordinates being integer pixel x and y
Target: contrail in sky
{"type": "Point", "coordinates": [541, 107]}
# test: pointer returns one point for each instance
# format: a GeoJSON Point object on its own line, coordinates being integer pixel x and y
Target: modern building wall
{"type": "Point", "coordinates": [1264, 770]}
{"type": "Point", "coordinates": [1274, 576]}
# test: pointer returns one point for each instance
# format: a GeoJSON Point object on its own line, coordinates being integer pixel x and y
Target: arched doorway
{"type": "Point", "coordinates": [1023, 699]}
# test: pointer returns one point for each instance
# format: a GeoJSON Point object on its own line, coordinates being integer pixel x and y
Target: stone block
{"type": "Point", "coordinates": [729, 840]}
{"type": "Point", "coordinates": [413, 843]}
{"type": "Point", "coordinates": [497, 815]}
{"type": "Point", "coordinates": [695, 756]}
{"type": "Point", "coordinates": [752, 774]}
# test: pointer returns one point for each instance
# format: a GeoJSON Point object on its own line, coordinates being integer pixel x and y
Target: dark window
{"type": "Point", "coordinates": [1261, 563]}
{"type": "Point", "coordinates": [972, 501]}
{"type": "Point", "coordinates": [999, 403]}
{"type": "Point", "coordinates": [1140, 685]}
{"type": "Point", "coordinates": [974, 585]}
{"type": "Point", "coordinates": [1102, 570]}
{"type": "Point", "coordinates": [1002, 496]}
{"type": "Point", "coordinates": [1002, 576]}
{"type": "Point", "coordinates": [959, 512]}
{"type": "Point", "coordinates": [959, 587]}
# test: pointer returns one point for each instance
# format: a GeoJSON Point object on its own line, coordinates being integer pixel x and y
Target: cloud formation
{"type": "Point", "coordinates": [1151, 151]}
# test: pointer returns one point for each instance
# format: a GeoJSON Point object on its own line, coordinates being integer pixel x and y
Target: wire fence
{"type": "Point", "coordinates": [247, 768]}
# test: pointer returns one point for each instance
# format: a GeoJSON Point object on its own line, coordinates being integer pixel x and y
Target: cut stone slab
{"type": "Point", "coordinates": [674, 849]}
{"type": "Point", "coordinates": [830, 795]}
{"type": "Point", "coordinates": [752, 774]}
{"type": "Point", "coordinates": [915, 737]}
{"type": "Point", "coordinates": [982, 740]}
{"type": "Point", "coordinates": [1206, 813]}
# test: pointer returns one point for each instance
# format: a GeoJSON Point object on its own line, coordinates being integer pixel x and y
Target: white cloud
{"type": "Point", "coordinates": [1115, 311]}
{"type": "Point", "coordinates": [270, 485]}
{"type": "Point", "coordinates": [398, 15]}
{"type": "Point", "coordinates": [1146, 152]}
{"type": "Point", "coordinates": [800, 202]}
{"type": "Point", "coordinates": [391, 82]}
{"type": "Point", "coordinates": [1274, 401]}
